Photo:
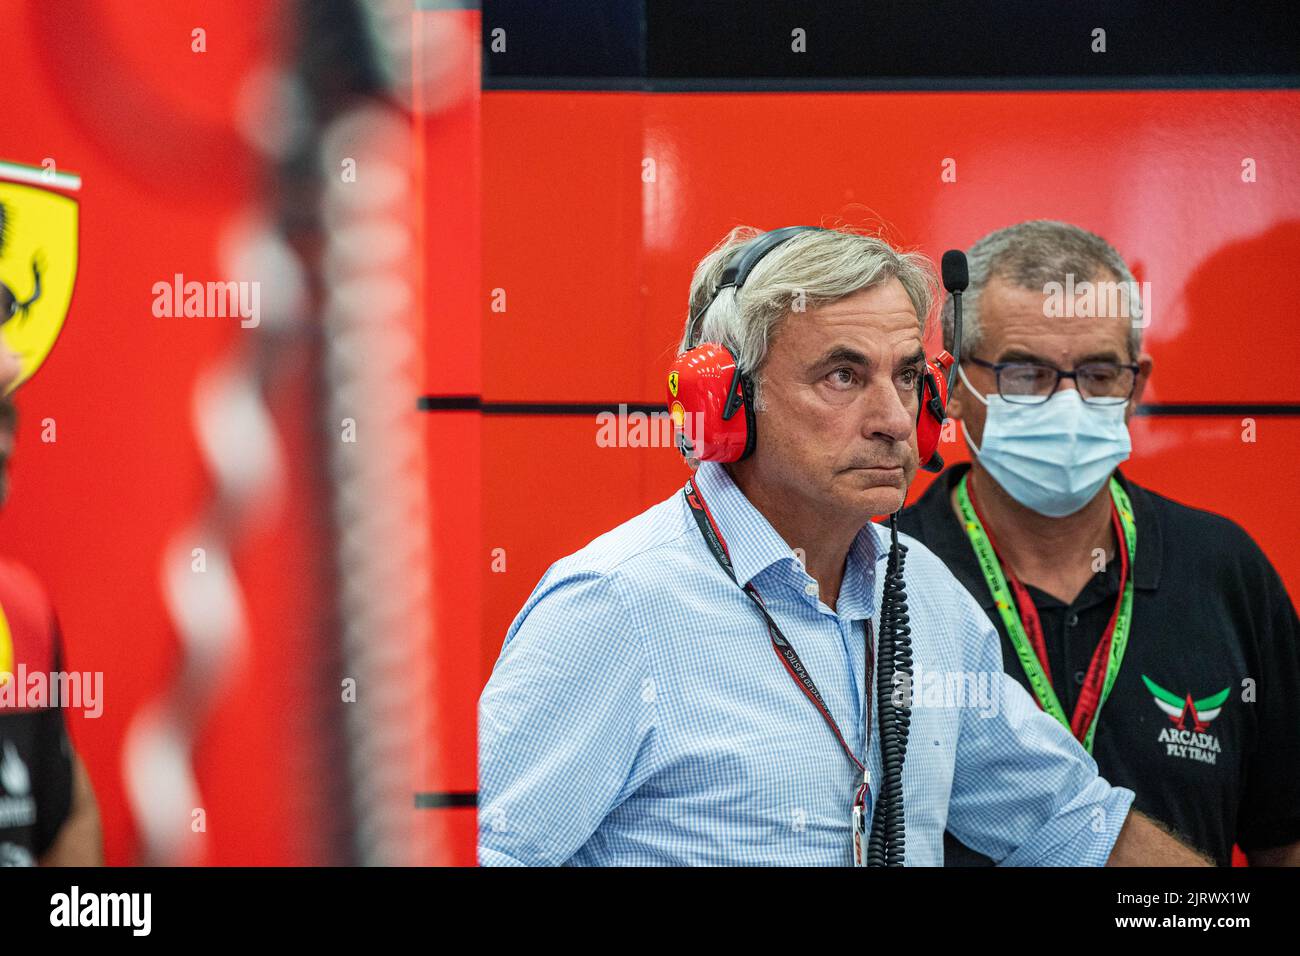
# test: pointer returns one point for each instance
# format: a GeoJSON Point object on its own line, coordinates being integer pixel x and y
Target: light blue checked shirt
{"type": "Point", "coordinates": [639, 715]}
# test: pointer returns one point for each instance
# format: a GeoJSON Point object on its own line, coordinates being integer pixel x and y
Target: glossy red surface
{"type": "Point", "coordinates": [596, 207]}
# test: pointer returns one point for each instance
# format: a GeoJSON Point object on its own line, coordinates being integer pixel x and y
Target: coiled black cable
{"type": "Point", "coordinates": [894, 693]}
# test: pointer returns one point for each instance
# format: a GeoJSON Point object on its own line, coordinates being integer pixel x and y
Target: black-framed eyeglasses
{"type": "Point", "coordinates": [1032, 383]}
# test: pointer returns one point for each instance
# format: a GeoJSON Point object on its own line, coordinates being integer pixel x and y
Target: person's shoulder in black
{"type": "Point", "coordinates": [1211, 617]}
{"type": "Point", "coordinates": [1212, 560]}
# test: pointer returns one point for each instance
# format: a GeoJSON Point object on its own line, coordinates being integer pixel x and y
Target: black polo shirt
{"type": "Point", "coordinates": [36, 766]}
{"type": "Point", "coordinates": [1210, 614]}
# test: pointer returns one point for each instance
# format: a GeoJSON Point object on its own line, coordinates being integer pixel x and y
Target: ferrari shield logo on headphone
{"type": "Point", "coordinates": [672, 384]}
{"type": "Point", "coordinates": [38, 261]}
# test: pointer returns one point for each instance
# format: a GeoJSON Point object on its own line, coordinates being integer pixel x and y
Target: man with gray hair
{"type": "Point", "coordinates": [1158, 634]}
{"type": "Point", "coordinates": [696, 686]}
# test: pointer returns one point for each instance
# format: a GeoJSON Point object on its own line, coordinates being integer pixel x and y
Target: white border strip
{"type": "Point", "coordinates": [38, 176]}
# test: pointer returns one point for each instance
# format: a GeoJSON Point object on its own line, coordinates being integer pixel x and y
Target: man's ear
{"type": "Point", "coordinates": [1145, 364]}
{"type": "Point", "coordinates": [955, 398]}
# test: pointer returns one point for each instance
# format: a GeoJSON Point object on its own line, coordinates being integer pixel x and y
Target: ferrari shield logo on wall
{"type": "Point", "coordinates": [38, 260]}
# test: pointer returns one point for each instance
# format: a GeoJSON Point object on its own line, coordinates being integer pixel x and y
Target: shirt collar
{"type": "Point", "coordinates": [753, 544]}
{"type": "Point", "coordinates": [1150, 542]}
{"type": "Point", "coordinates": [941, 529]}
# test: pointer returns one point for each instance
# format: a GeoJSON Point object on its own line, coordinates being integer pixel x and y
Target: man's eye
{"type": "Point", "coordinates": [1099, 374]}
{"type": "Point", "coordinates": [842, 377]}
{"type": "Point", "coordinates": [908, 376]}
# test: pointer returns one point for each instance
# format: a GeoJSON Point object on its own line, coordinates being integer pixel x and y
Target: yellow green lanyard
{"type": "Point", "coordinates": [991, 567]}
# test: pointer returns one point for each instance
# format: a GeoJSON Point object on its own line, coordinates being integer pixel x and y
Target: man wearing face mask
{"type": "Point", "coordinates": [1158, 633]}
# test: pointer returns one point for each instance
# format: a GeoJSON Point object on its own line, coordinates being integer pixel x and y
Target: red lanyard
{"type": "Point", "coordinates": [784, 649]}
{"type": "Point", "coordinates": [1090, 697]}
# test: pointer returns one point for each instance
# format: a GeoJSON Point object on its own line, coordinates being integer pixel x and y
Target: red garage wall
{"type": "Point", "coordinates": [595, 263]}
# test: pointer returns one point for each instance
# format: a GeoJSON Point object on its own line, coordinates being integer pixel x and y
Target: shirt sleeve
{"type": "Point", "coordinates": [565, 723]}
{"type": "Point", "coordinates": [1024, 792]}
{"type": "Point", "coordinates": [1270, 809]}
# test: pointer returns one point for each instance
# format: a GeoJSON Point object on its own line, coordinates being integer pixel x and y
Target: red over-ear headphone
{"type": "Point", "coordinates": [710, 398]}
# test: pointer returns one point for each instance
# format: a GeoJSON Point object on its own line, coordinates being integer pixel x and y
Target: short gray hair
{"type": "Point", "coordinates": [811, 269]}
{"type": "Point", "coordinates": [1029, 255]}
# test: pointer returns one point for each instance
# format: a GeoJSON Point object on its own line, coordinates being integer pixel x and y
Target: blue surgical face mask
{"type": "Point", "coordinates": [1052, 457]}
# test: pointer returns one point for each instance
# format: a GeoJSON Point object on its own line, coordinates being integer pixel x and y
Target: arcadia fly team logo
{"type": "Point", "coordinates": [38, 260]}
{"type": "Point", "coordinates": [1189, 736]}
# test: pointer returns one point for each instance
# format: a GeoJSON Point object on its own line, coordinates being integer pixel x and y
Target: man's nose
{"type": "Point", "coordinates": [888, 414]}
